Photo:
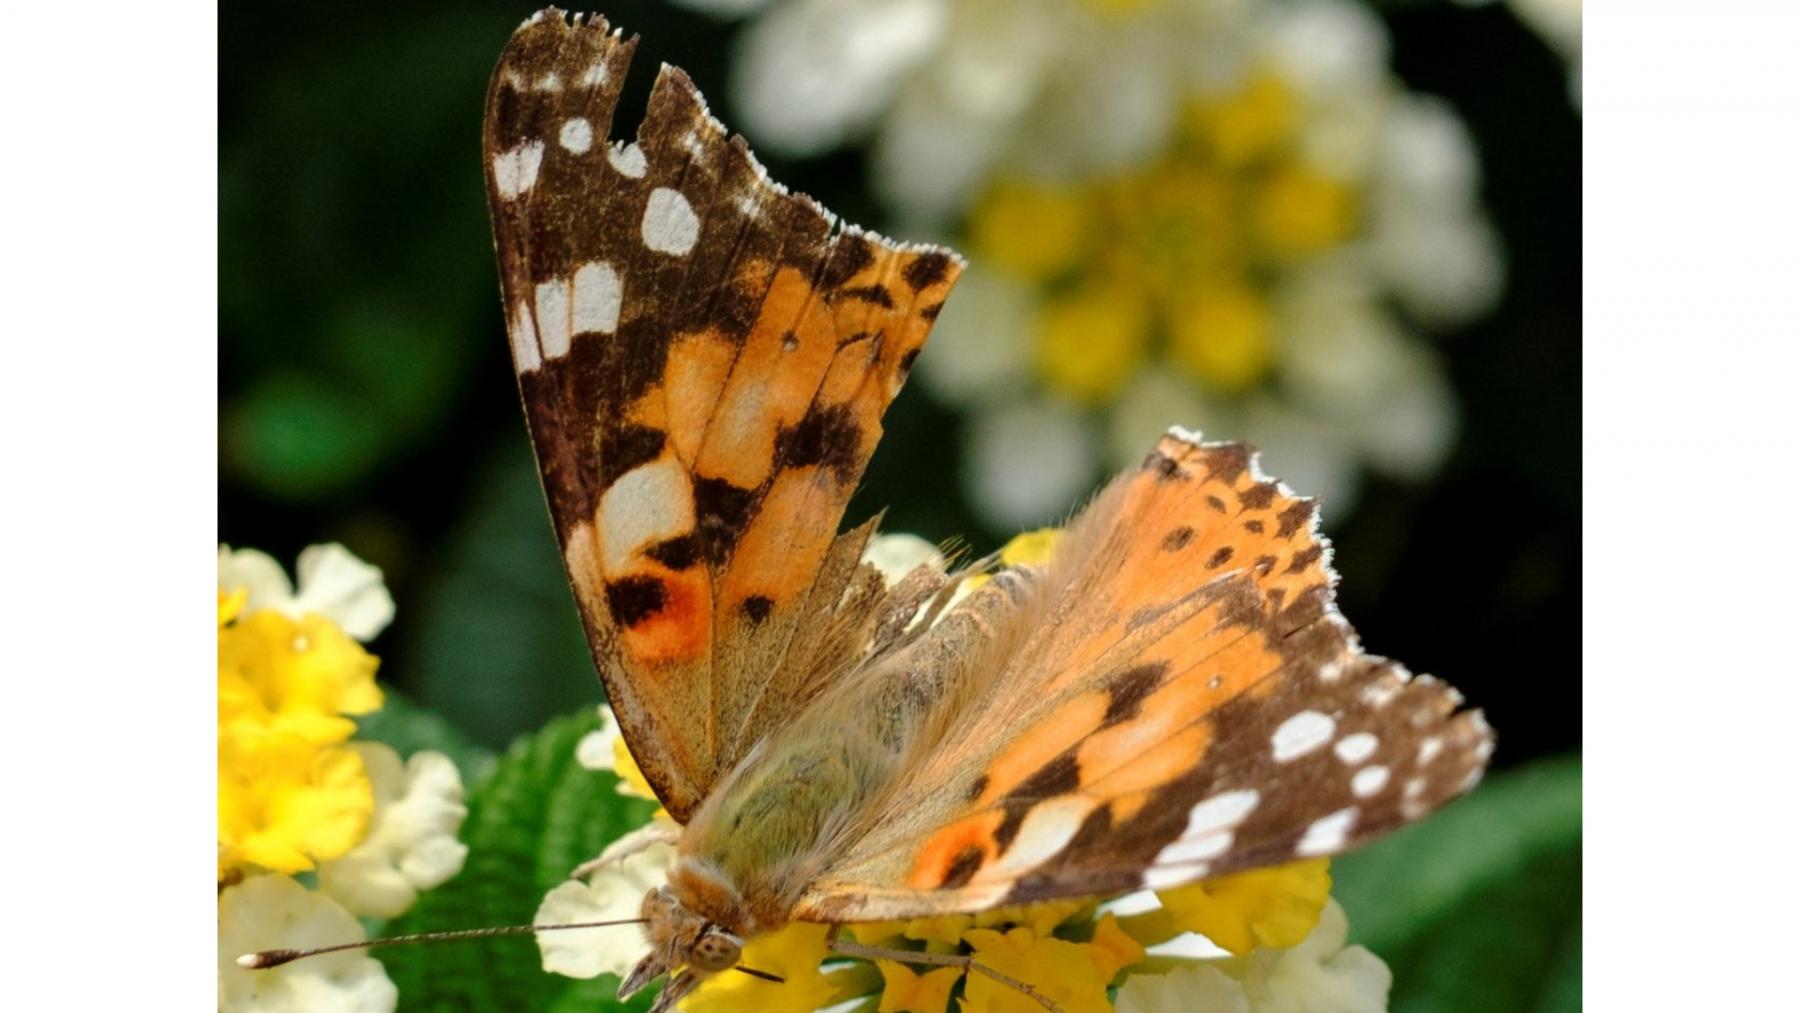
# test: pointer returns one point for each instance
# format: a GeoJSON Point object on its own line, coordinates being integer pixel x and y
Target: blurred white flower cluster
{"type": "Point", "coordinates": [1225, 214]}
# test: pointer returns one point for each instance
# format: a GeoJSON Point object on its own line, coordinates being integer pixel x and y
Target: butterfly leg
{"type": "Point", "coordinates": [645, 837]}
{"type": "Point", "coordinates": [965, 961]}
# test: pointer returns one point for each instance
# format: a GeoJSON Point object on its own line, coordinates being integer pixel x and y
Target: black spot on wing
{"type": "Point", "coordinates": [676, 553]}
{"type": "Point", "coordinates": [1295, 517]}
{"type": "Point", "coordinates": [827, 436]}
{"type": "Point", "coordinates": [1258, 496]}
{"type": "Point", "coordinates": [866, 293]}
{"type": "Point", "coordinates": [625, 448]}
{"type": "Point", "coordinates": [1128, 689]}
{"type": "Point", "coordinates": [926, 270]}
{"type": "Point", "coordinates": [1219, 558]}
{"type": "Point", "coordinates": [635, 599]}
{"type": "Point", "coordinates": [1178, 539]}
{"type": "Point", "coordinates": [848, 257]}
{"type": "Point", "coordinates": [721, 513]}
{"type": "Point", "coordinates": [962, 868]}
{"type": "Point", "coordinates": [756, 608]}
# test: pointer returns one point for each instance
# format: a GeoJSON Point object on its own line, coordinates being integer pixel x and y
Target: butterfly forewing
{"type": "Point", "coordinates": [704, 360]}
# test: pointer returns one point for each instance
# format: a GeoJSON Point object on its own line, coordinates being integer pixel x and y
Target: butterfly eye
{"type": "Point", "coordinates": [716, 951]}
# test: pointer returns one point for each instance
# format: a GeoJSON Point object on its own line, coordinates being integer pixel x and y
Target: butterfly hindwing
{"type": "Point", "coordinates": [704, 359]}
{"type": "Point", "coordinates": [1183, 701]}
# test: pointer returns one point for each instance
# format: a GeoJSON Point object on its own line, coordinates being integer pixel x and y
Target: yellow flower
{"type": "Point", "coordinates": [285, 803]}
{"type": "Point", "coordinates": [1112, 948]}
{"type": "Point", "coordinates": [1254, 123]}
{"type": "Point", "coordinates": [1298, 211]}
{"type": "Point", "coordinates": [793, 953]}
{"type": "Point", "coordinates": [1032, 230]}
{"type": "Point", "coordinates": [1273, 908]}
{"type": "Point", "coordinates": [631, 777]}
{"type": "Point", "coordinates": [1031, 547]}
{"type": "Point", "coordinates": [1091, 341]}
{"type": "Point", "coordinates": [293, 676]}
{"type": "Point", "coordinates": [1220, 335]}
{"type": "Point", "coordinates": [230, 604]}
{"type": "Point", "coordinates": [1069, 974]}
{"type": "Point", "coordinates": [907, 991]}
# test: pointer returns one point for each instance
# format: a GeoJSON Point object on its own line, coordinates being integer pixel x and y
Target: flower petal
{"type": "Point", "coordinates": [337, 585]}
{"type": "Point", "coordinates": [411, 844]}
{"type": "Point", "coordinates": [616, 891]}
{"type": "Point", "coordinates": [274, 912]}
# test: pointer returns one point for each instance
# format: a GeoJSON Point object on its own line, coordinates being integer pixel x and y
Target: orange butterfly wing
{"type": "Point", "coordinates": [704, 360]}
{"type": "Point", "coordinates": [1181, 700]}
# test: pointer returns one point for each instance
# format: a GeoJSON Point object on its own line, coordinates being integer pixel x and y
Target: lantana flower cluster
{"type": "Point", "coordinates": [1229, 211]}
{"type": "Point", "coordinates": [315, 828]}
{"type": "Point", "coordinates": [1266, 940]}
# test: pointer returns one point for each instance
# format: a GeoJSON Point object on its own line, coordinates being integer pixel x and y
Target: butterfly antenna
{"type": "Point", "coordinates": [764, 975]}
{"type": "Point", "coordinates": [276, 958]}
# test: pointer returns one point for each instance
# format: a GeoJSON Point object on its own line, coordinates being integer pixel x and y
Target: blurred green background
{"type": "Point", "coordinates": [367, 398]}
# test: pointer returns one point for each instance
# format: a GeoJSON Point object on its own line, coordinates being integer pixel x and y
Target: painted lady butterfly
{"type": "Point", "coordinates": [704, 359]}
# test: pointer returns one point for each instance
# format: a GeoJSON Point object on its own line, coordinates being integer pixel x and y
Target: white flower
{"type": "Point", "coordinates": [983, 340]}
{"type": "Point", "coordinates": [1320, 975]}
{"type": "Point", "coordinates": [333, 583]}
{"type": "Point", "coordinates": [857, 51]}
{"type": "Point", "coordinates": [898, 554]}
{"type": "Point", "coordinates": [1029, 462]}
{"type": "Point", "coordinates": [616, 891]}
{"type": "Point", "coordinates": [1182, 990]}
{"type": "Point", "coordinates": [411, 844]}
{"type": "Point", "coordinates": [274, 912]}
{"type": "Point", "coordinates": [595, 750]}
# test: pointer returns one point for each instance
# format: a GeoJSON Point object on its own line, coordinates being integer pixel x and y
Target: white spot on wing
{"type": "Point", "coordinates": [1048, 827]}
{"type": "Point", "coordinates": [597, 298]}
{"type": "Point", "coordinates": [595, 75]}
{"type": "Point", "coordinates": [670, 225]}
{"type": "Point", "coordinates": [1356, 748]}
{"type": "Point", "coordinates": [647, 504]}
{"type": "Point", "coordinates": [549, 82]}
{"type": "Point", "coordinates": [516, 170]}
{"type": "Point", "coordinates": [1368, 781]}
{"type": "Point", "coordinates": [1301, 734]}
{"type": "Point", "coordinates": [1188, 850]}
{"type": "Point", "coordinates": [553, 317]}
{"type": "Point", "coordinates": [1328, 833]}
{"type": "Point", "coordinates": [628, 159]}
{"type": "Point", "coordinates": [1164, 877]}
{"type": "Point", "coordinates": [1221, 812]}
{"type": "Point", "coordinates": [577, 134]}
{"type": "Point", "coordinates": [1429, 750]}
{"type": "Point", "coordinates": [523, 333]}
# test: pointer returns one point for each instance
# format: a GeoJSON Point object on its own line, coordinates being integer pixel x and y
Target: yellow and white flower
{"type": "Point", "coordinates": [333, 583]}
{"type": "Point", "coordinates": [615, 891]}
{"type": "Point", "coordinates": [411, 844]}
{"type": "Point", "coordinates": [270, 912]}
{"type": "Point", "coordinates": [296, 795]}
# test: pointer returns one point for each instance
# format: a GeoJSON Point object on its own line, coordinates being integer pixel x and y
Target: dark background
{"type": "Point", "coordinates": [367, 397]}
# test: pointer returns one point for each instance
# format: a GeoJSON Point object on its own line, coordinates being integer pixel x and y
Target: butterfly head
{"type": "Point", "coordinates": [681, 940]}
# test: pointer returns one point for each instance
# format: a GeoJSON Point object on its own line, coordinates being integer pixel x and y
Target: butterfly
{"type": "Point", "coordinates": [704, 360]}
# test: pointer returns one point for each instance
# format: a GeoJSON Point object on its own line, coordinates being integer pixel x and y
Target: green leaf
{"type": "Point", "coordinates": [1479, 907]}
{"type": "Point", "coordinates": [537, 816]}
{"type": "Point", "coordinates": [409, 728]}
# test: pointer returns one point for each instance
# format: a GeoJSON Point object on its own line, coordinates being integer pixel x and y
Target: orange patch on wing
{"type": "Point", "coordinates": [796, 523]}
{"type": "Point", "coordinates": [697, 367]}
{"type": "Point", "coordinates": [1068, 724]}
{"type": "Point", "coordinates": [944, 849]}
{"type": "Point", "coordinates": [678, 630]}
{"type": "Point", "coordinates": [1139, 755]}
{"type": "Point", "coordinates": [772, 385]}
